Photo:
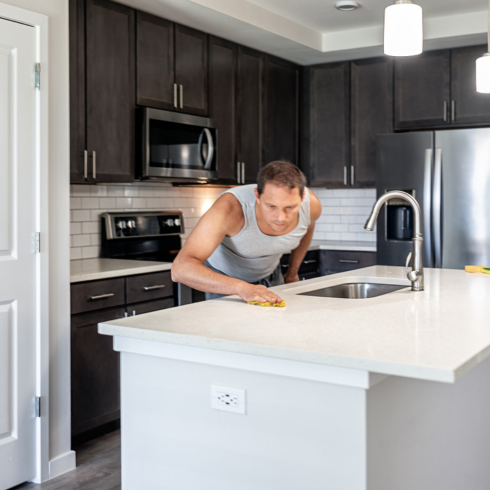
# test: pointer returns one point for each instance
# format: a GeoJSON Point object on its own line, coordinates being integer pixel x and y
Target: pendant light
{"type": "Point", "coordinates": [403, 35]}
{"type": "Point", "coordinates": [483, 66]}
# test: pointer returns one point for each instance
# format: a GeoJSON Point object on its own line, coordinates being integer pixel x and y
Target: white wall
{"type": "Point", "coordinates": [59, 365]}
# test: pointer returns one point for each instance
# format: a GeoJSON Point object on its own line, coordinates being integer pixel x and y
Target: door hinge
{"type": "Point", "coordinates": [37, 70]}
{"type": "Point", "coordinates": [38, 406]}
{"type": "Point", "coordinates": [37, 242]}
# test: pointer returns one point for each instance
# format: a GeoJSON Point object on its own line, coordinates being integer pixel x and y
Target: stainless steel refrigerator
{"type": "Point", "coordinates": [448, 172]}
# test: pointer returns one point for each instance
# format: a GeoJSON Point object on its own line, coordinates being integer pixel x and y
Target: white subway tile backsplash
{"type": "Point", "coordinates": [343, 215]}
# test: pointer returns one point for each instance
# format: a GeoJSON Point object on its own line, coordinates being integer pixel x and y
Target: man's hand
{"type": "Point", "coordinates": [253, 292]}
{"type": "Point", "coordinates": [291, 277]}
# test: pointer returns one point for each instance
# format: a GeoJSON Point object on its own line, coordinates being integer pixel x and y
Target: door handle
{"type": "Point", "coordinates": [181, 96]}
{"type": "Point", "coordinates": [345, 174]}
{"type": "Point", "coordinates": [94, 165]}
{"type": "Point", "coordinates": [352, 179]}
{"type": "Point", "coordinates": [436, 208]}
{"type": "Point", "coordinates": [309, 262]}
{"type": "Point", "coordinates": [101, 296]}
{"type": "Point", "coordinates": [445, 111]}
{"type": "Point", "coordinates": [453, 110]}
{"type": "Point", "coordinates": [243, 172]}
{"type": "Point", "coordinates": [346, 261]}
{"type": "Point", "coordinates": [175, 95]}
{"type": "Point", "coordinates": [238, 172]}
{"type": "Point", "coordinates": [152, 288]}
{"type": "Point", "coordinates": [209, 158]}
{"type": "Point", "coordinates": [85, 164]}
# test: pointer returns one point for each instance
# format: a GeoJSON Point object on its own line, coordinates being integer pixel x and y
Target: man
{"type": "Point", "coordinates": [236, 246]}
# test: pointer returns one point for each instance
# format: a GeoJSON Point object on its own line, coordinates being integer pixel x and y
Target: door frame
{"type": "Point", "coordinates": [40, 23]}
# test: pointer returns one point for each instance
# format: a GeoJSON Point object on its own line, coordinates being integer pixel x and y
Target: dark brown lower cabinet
{"type": "Point", "coordinates": [309, 268]}
{"type": "Point", "coordinates": [94, 371]}
{"type": "Point", "coordinates": [333, 261]}
{"type": "Point", "coordinates": [94, 363]}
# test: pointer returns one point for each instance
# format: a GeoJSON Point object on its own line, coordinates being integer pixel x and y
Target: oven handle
{"type": "Point", "coordinates": [209, 159]}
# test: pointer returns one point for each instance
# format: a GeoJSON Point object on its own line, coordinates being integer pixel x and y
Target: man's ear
{"type": "Point", "coordinates": [257, 196]}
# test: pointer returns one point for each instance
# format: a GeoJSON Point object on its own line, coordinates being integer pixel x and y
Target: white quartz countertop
{"type": "Point", "coordinates": [93, 269]}
{"type": "Point", "coordinates": [342, 246]}
{"type": "Point", "coordinates": [438, 334]}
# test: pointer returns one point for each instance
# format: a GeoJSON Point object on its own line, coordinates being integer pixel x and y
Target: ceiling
{"type": "Point", "coordinates": [313, 31]}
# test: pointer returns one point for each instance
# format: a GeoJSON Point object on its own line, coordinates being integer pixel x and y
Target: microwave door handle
{"type": "Point", "coordinates": [209, 159]}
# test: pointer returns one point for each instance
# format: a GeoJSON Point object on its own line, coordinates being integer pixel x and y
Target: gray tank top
{"type": "Point", "coordinates": [251, 255]}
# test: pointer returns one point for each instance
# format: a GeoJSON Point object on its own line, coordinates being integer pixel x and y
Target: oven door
{"type": "Point", "coordinates": [179, 146]}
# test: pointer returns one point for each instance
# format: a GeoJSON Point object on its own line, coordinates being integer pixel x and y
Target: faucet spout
{"type": "Point", "coordinates": [416, 274]}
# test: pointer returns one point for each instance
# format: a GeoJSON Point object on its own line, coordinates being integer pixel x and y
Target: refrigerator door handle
{"type": "Point", "coordinates": [436, 209]}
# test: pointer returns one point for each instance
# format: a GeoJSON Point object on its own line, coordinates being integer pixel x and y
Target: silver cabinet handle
{"type": "Point", "coordinates": [134, 312]}
{"type": "Point", "coordinates": [243, 172]}
{"type": "Point", "coordinates": [346, 261]}
{"type": "Point", "coordinates": [345, 174]}
{"type": "Point", "coordinates": [445, 111]}
{"type": "Point", "coordinates": [453, 111]}
{"type": "Point", "coordinates": [284, 266]}
{"type": "Point", "coordinates": [238, 172]}
{"type": "Point", "coordinates": [152, 288]}
{"type": "Point", "coordinates": [436, 209]}
{"type": "Point", "coordinates": [175, 95]}
{"type": "Point", "coordinates": [94, 165]}
{"type": "Point", "coordinates": [85, 164]}
{"type": "Point", "coordinates": [101, 296]}
{"type": "Point", "coordinates": [309, 261]}
{"type": "Point", "coordinates": [352, 175]}
{"type": "Point", "coordinates": [181, 96]}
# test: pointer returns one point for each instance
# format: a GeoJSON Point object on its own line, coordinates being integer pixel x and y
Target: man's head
{"type": "Point", "coordinates": [279, 193]}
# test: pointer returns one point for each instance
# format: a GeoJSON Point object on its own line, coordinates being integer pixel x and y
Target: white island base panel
{"type": "Point", "coordinates": [306, 426]}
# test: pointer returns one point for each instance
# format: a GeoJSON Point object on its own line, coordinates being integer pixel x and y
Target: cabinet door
{"type": "Point", "coordinates": [280, 116]}
{"type": "Point", "coordinates": [154, 62]}
{"type": "Point", "coordinates": [326, 132]}
{"type": "Point", "coordinates": [222, 98]}
{"type": "Point", "coordinates": [468, 107]}
{"type": "Point", "coordinates": [110, 91]}
{"type": "Point", "coordinates": [94, 371]}
{"type": "Point", "coordinates": [191, 70]}
{"type": "Point", "coordinates": [422, 90]}
{"type": "Point", "coordinates": [77, 90]}
{"type": "Point", "coordinates": [371, 114]}
{"type": "Point", "coordinates": [249, 110]}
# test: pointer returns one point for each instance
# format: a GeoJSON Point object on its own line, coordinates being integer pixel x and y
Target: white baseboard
{"type": "Point", "coordinates": [62, 464]}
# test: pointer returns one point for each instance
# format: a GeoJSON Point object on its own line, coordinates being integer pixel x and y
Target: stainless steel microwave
{"type": "Point", "coordinates": [177, 147]}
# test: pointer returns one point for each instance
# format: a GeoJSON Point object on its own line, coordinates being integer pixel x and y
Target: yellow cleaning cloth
{"type": "Point", "coordinates": [477, 268]}
{"type": "Point", "coordinates": [282, 304]}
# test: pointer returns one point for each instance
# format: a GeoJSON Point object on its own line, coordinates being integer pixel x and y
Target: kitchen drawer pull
{"type": "Point", "coordinates": [309, 261]}
{"type": "Point", "coordinates": [345, 261]}
{"type": "Point", "coordinates": [152, 288]}
{"type": "Point", "coordinates": [101, 296]}
{"type": "Point", "coordinates": [284, 266]}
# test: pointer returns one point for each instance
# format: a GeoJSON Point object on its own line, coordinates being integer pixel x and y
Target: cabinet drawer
{"type": "Point", "coordinates": [333, 261]}
{"type": "Point", "coordinates": [310, 263]}
{"type": "Point", "coordinates": [148, 306]}
{"type": "Point", "coordinates": [148, 286]}
{"type": "Point", "coordinates": [95, 295]}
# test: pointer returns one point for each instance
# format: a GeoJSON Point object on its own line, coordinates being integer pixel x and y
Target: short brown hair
{"type": "Point", "coordinates": [283, 174]}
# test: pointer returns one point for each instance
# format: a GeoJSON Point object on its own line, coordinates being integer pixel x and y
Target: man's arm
{"type": "Point", "coordinates": [225, 217]}
{"type": "Point", "coordinates": [298, 254]}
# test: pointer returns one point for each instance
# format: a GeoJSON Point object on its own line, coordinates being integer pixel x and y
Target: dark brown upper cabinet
{"type": "Point", "coordinates": [102, 75]}
{"type": "Point", "coordinates": [249, 120]}
{"type": "Point", "coordinates": [155, 62]}
{"type": "Point", "coordinates": [468, 107]}
{"type": "Point", "coordinates": [222, 104]}
{"type": "Point", "coordinates": [280, 111]}
{"type": "Point", "coordinates": [325, 124]}
{"type": "Point", "coordinates": [191, 70]}
{"type": "Point", "coordinates": [371, 114]}
{"type": "Point", "coordinates": [422, 90]}
{"type": "Point", "coordinates": [171, 66]}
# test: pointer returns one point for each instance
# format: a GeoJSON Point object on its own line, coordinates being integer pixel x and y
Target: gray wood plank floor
{"type": "Point", "coordinates": [98, 468]}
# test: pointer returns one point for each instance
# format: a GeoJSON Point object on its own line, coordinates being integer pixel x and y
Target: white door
{"type": "Point", "coordinates": [18, 276]}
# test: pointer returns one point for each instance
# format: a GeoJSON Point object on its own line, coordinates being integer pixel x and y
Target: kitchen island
{"type": "Point", "coordinates": [384, 393]}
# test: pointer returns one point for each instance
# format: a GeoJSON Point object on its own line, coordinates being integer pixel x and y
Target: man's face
{"type": "Point", "coordinates": [279, 206]}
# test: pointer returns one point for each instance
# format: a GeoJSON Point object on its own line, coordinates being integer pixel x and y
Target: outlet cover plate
{"type": "Point", "coordinates": [228, 399]}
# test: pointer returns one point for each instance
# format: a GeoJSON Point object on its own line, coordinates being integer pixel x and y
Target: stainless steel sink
{"type": "Point", "coordinates": [355, 290]}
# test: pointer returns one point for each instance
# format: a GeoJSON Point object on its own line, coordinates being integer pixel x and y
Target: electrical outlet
{"type": "Point", "coordinates": [228, 399]}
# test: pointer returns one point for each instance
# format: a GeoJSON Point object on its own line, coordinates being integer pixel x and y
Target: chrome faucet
{"type": "Point", "coordinates": [416, 274]}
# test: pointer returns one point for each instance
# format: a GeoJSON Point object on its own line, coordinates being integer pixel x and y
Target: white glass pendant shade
{"type": "Point", "coordinates": [483, 74]}
{"type": "Point", "coordinates": [403, 33]}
